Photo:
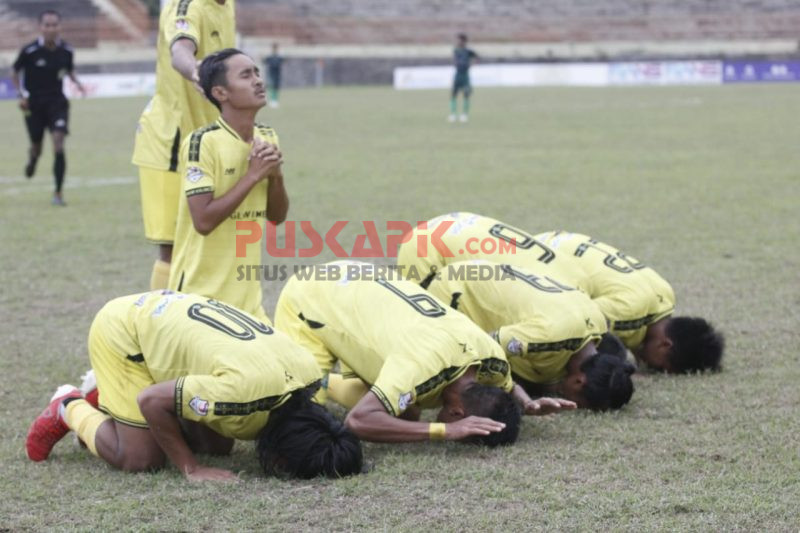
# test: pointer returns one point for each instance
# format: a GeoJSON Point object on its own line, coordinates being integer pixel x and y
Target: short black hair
{"type": "Point", "coordinates": [497, 404]}
{"type": "Point", "coordinates": [46, 12]}
{"type": "Point", "coordinates": [303, 440]}
{"type": "Point", "coordinates": [213, 71]}
{"type": "Point", "coordinates": [612, 345]}
{"type": "Point", "coordinates": [696, 346]}
{"type": "Point", "coordinates": [608, 382]}
{"type": "Point", "coordinates": [462, 37]}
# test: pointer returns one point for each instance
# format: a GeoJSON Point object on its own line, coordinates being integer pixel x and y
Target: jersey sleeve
{"type": "Point", "coordinates": [195, 396]}
{"type": "Point", "coordinates": [70, 60]}
{"type": "Point", "coordinates": [197, 162]}
{"type": "Point", "coordinates": [395, 386]}
{"type": "Point", "coordinates": [184, 23]}
{"type": "Point", "coordinates": [19, 63]}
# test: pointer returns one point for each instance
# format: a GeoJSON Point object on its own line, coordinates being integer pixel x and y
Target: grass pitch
{"type": "Point", "coordinates": [701, 183]}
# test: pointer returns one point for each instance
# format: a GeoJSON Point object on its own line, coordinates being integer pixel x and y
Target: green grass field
{"type": "Point", "coordinates": [701, 183]}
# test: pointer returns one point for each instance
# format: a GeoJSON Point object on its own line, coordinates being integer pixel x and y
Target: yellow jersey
{"type": "Point", "coordinates": [539, 321]}
{"type": "Point", "coordinates": [231, 368]}
{"type": "Point", "coordinates": [467, 236]}
{"type": "Point", "coordinates": [177, 108]}
{"type": "Point", "coordinates": [213, 159]}
{"type": "Point", "coordinates": [631, 295]}
{"type": "Point", "coordinates": [393, 335]}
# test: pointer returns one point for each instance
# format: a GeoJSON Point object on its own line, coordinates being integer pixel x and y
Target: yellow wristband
{"type": "Point", "coordinates": [436, 431]}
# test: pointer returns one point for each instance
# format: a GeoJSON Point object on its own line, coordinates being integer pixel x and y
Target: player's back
{"type": "Point", "coordinates": [539, 321]}
{"type": "Point", "coordinates": [364, 321]}
{"type": "Point", "coordinates": [231, 353]}
{"type": "Point", "coordinates": [470, 236]}
{"type": "Point", "coordinates": [630, 294]}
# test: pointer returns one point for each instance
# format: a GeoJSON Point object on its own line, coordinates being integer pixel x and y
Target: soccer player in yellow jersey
{"type": "Point", "coordinates": [179, 373]}
{"type": "Point", "coordinates": [412, 351]}
{"type": "Point", "coordinates": [637, 302]}
{"type": "Point", "coordinates": [232, 172]}
{"type": "Point", "coordinates": [548, 330]}
{"type": "Point", "coordinates": [189, 30]}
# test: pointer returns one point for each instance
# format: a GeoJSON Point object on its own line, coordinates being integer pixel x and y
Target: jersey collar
{"type": "Point", "coordinates": [224, 125]}
{"type": "Point", "coordinates": [40, 41]}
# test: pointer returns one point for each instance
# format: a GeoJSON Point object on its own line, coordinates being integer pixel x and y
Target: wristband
{"type": "Point", "coordinates": [436, 431]}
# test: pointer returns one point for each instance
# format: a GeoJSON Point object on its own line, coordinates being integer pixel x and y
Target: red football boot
{"type": "Point", "coordinates": [49, 428]}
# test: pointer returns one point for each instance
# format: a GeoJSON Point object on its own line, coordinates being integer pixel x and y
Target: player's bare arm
{"type": "Point", "coordinates": [157, 404]}
{"type": "Point", "coordinates": [277, 198]}
{"type": "Point", "coordinates": [370, 421]}
{"type": "Point", "coordinates": [208, 212]}
{"type": "Point", "coordinates": [22, 95]}
{"type": "Point", "coordinates": [77, 82]}
{"type": "Point", "coordinates": [183, 59]}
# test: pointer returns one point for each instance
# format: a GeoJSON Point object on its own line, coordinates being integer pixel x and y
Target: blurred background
{"type": "Point", "coordinates": [363, 42]}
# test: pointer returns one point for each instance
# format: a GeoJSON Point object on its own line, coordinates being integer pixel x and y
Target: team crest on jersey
{"type": "Point", "coordinates": [194, 174]}
{"type": "Point", "coordinates": [182, 24]}
{"type": "Point", "coordinates": [404, 401]}
{"type": "Point", "coordinates": [514, 346]}
{"type": "Point", "coordinates": [199, 406]}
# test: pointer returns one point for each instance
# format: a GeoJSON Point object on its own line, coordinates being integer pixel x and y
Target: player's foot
{"type": "Point", "coordinates": [451, 118]}
{"type": "Point", "coordinates": [58, 200]}
{"type": "Point", "coordinates": [30, 167]}
{"type": "Point", "coordinates": [89, 388]}
{"type": "Point", "coordinates": [49, 428]}
{"type": "Point", "coordinates": [463, 118]}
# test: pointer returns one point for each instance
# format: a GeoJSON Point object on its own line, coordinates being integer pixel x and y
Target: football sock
{"type": "Point", "coordinates": [466, 106]}
{"type": "Point", "coordinates": [159, 278]}
{"type": "Point", "coordinates": [453, 106]}
{"type": "Point", "coordinates": [59, 167]}
{"type": "Point", "coordinates": [346, 392]}
{"type": "Point", "coordinates": [84, 420]}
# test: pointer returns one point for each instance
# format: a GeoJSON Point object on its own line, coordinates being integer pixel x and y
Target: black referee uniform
{"type": "Point", "coordinates": [43, 72]}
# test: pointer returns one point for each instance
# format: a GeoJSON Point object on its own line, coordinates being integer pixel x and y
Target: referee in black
{"type": "Point", "coordinates": [44, 62]}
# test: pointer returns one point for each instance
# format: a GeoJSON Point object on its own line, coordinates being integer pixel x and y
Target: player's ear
{"type": "Point", "coordinates": [219, 93]}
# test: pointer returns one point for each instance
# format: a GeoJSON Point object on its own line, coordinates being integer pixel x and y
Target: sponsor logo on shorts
{"type": "Point", "coordinates": [199, 406]}
{"type": "Point", "coordinates": [60, 123]}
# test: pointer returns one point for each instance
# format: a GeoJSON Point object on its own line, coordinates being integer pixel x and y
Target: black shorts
{"type": "Point", "coordinates": [49, 112]}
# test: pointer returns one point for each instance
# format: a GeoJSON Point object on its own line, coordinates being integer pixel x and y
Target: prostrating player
{"type": "Point", "coordinates": [232, 172]}
{"type": "Point", "coordinates": [43, 63]}
{"type": "Point", "coordinates": [637, 302]}
{"type": "Point", "coordinates": [462, 58]}
{"type": "Point", "coordinates": [188, 31]}
{"type": "Point", "coordinates": [274, 63]}
{"type": "Point", "coordinates": [548, 330]}
{"type": "Point", "coordinates": [413, 353]}
{"type": "Point", "coordinates": [180, 373]}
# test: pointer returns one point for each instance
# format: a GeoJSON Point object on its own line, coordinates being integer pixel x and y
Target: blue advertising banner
{"type": "Point", "coordinates": [7, 89]}
{"type": "Point", "coordinates": [760, 71]}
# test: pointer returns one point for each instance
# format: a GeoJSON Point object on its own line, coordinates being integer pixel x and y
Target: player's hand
{"type": "Point", "coordinates": [546, 406]}
{"type": "Point", "coordinates": [472, 425]}
{"type": "Point", "coordinates": [265, 158]}
{"type": "Point", "coordinates": [208, 473]}
{"type": "Point", "coordinates": [23, 104]}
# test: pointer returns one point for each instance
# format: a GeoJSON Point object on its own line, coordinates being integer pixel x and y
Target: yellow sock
{"type": "Point", "coordinates": [346, 392]}
{"type": "Point", "coordinates": [159, 279]}
{"type": "Point", "coordinates": [84, 420]}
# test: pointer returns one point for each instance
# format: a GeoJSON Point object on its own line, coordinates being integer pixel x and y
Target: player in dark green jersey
{"type": "Point", "coordinates": [462, 58]}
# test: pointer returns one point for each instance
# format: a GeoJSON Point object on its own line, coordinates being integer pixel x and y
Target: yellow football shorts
{"type": "Point", "coordinates": [120, 377]}
{"type": "Point", "coordinates": [160, 191]}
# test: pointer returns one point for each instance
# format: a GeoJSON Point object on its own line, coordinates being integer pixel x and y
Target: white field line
{"type": "Point", "coordinates": [19, 185]}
